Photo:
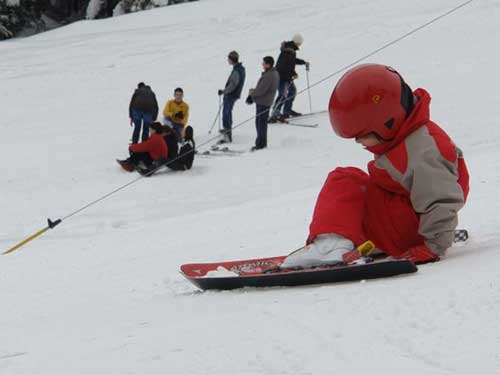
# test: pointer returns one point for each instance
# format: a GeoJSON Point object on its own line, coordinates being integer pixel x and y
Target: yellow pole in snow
{"type": "Point", "coordinates": [51, 225]}
{"type": "Point", "coordinates": [24, 242]}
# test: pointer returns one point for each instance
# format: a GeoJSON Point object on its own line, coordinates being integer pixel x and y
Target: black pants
{"type": "Point", "coordinates": [227, 115]}
{"type": "Point", "coordinates": [286, 95]}
{"type": "Point", "coordinates": [136, 157]}
{"type": "Point", "coordinates": [177, 165]}
{"type": "Point", "coordinates": [261, 125]}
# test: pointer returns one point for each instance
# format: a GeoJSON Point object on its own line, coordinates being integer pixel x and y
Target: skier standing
{"type": "Point", "coordinates": [176, 112]}
{"type": "Point", "coordinates": [143, 110]}
{"type": "Point", "coordinates": [263, 95]}
{"type": "Point", "coordinates": [408, 202]}
{"type": "Point", "coordinates": [287, 89]}
{"type": "Point", "coordinates": [232, 93]}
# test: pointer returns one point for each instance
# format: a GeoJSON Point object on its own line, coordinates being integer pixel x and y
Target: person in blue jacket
{"type": "Point", "coordinates": [231, 92]}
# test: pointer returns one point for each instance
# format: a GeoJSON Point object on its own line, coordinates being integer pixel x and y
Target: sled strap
{"type": "Point", "coordinates": [366, 248]}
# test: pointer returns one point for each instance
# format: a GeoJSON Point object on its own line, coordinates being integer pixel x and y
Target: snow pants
{"type": "Point", "coordinates": [178, 128]}
{"type": "Point", "coordinates": [261, 119]}
{"type": "Point", "coordinates": [286, 95]}
{"type": "Point", "coordinates": [352, 205]}
{"type": "Point", "coordinates": [227, 113]}
{"type": "Point", "coordinates": [136, 157]}
{"type": "Point", "coordinates": [142, 120]}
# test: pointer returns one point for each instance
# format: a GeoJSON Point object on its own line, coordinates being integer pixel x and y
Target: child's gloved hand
{"type": "Point", "coordinates": [249, 100]}
{"type": "Point", "coordinates": [419, 255]}
{"type": "Point", "coordinates": [179, 115]}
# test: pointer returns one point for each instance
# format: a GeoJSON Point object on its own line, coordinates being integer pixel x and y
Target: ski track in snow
{"type": "Point", "coordinates": [102, 293]}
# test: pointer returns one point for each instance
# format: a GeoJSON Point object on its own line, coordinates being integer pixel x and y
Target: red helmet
{"type": "Point", "coordinates": [370, 98]}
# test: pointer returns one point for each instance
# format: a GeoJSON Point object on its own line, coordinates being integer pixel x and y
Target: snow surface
{"type": "Point", "coordinates": [102, 293]}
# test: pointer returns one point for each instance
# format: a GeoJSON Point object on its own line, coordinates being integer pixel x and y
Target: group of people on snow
{"type": "Point", "coordinates": [143, 110]}
{"type": "Point", "coordinates": [274, 79]}
{"type": "Point", "coordinates": [160, 143]}
{"type": "Point", "coordinates": [407, 203]}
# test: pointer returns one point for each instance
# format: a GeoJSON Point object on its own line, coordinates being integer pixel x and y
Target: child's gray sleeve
{"type": "Point", "coordinates": [437, 197]}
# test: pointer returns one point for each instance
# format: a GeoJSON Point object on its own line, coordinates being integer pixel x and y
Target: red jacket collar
{"type": "Point", "coordinates": [419, 116]}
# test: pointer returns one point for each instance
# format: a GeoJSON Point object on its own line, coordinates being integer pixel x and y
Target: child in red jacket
{"type": "Point", "coordinates": [147, 152]}
{"type": "Point", "coordinates": [408, 202]}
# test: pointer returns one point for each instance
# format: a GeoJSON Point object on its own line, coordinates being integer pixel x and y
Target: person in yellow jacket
{"type": "Point", "coordinates": [176, 112]}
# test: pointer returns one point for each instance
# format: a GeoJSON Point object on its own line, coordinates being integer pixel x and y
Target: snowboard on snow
{"type": "Point", "coordinates": [359, 264]}
{"type": "Point", "coordinates": [265, 272]}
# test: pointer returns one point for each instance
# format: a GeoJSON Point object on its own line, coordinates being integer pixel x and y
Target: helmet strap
{"type": "Point", "coordinates": [407, 99]}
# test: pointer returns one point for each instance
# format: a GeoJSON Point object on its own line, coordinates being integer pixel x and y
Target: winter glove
{"type": "Point", "coordinates": [249, 100]}
{"type": "Point", "coordinates": [220, 92]}
{"type": "Point", "coordinates": [419, 255]}
{"type": "Point", "coordinates": [308, 64]}
{"type": "Point", "coordinates": [179, 115]}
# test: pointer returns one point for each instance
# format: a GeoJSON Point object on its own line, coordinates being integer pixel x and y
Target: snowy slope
{"type": "Point", "coordinates": [102, 293]}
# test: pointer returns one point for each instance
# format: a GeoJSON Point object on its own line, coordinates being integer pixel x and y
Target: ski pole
{"type": "Point", "coordinates": [309, 89]}
{"type": "Point", "coordinates": [216, 116]}
{"type": "Point", "coordinates": [51, 224]}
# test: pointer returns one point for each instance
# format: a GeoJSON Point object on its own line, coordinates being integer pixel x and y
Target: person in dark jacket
{"type": "Point", "coordinates": [184, 160]}
{"type": "Point", "coordinates": [263, 96]}
{"type": "Point", "coordinates": [231, 92]}
{"type": "Point", "coordinates": [170, 137]}
{"type": "Point", "coordinates": [143, 110]}
{"type": "Point", "coordinates": [286, 69]}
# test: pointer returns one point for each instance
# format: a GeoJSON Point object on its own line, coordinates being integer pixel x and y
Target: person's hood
{"type": "Point", "coordinates": [419, 116]}
{"type": "Point", "coordinates": [290, 47]}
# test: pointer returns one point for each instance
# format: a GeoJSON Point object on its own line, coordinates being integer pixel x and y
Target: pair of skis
{"type": "Point", "coordinates": [290, 122]}
{"type": "Point", "coordinates": [287, 121]}
{"type": "Point", "coordinates": [359, 264]}
{"type": "Point", "coordinates": [221, 150]}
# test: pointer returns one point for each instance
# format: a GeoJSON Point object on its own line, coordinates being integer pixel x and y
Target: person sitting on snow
{"type": "Point", "coordinates": [408, 202]}
{"type": "Point", "coordinates": [144, 155]}
{"type": "Point", "coordinates": [184, 160]}
{"type": "Point", "coordinates": [176, 112]}
{"type": "Point", "coordinates": [170, 137]}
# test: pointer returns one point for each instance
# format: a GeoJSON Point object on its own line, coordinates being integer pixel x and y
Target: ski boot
{"type": "Point", "coordinates": [126, 165]}
{"type": "Point", "coordinates": [272, 120]}
{"type": "Point", "coordinates": [294, 114]}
